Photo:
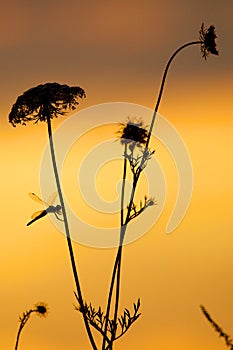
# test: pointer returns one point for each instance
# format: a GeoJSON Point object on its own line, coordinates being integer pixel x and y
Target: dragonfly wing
{"type": "Point", "coordinates": [37, 213]}
{"type": "Point", "coordinates": [36, 198]}
{"type": "Point", "coordinates": [52, 198]}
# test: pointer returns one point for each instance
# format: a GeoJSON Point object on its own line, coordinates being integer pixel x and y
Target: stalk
{"type": "Point", "coordinates": [117, 264]}
{"type": "Point", "coordinates": [69, 242]}
{"type": "Point", "coordinates": [22, 324]}
{"type": "Point", "coordinates": [163, 83]}
{"type": "Point", "coordinates": [119, 252]}
{"type": "Point", "coordinates": [122, 234]}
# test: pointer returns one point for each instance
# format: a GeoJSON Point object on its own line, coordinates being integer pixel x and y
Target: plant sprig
{"type": "Point", "coordinates": [98, 319]}
{"type": "Point", "coordinates": [219, 330]}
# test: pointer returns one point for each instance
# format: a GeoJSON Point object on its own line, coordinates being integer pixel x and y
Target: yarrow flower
{"type": "Point", "coordinates": [133, 131]}
{"type": "Point", "coordinates": [207, 38]}
{"type": "Point", "coordinates": [51, 99]}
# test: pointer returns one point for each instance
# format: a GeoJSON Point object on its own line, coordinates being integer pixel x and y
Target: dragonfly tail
{"type": "Point", "coordinates": [44, 212]}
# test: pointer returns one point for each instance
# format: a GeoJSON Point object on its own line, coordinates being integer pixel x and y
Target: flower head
{"type": "Point", "coordinates": [50, 99]}
{"type": "Point", "coordinates": [133, 131]}
{"type": "Point", "coordinates": [207, 38]}
{"type": "Point", "coordinates": [41, 309]}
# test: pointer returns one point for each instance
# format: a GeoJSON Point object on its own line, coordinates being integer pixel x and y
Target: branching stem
{"type": "Point", "coordinates": [117, 264]}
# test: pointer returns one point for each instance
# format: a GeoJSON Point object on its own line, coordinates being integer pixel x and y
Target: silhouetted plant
{"type": "Point", "coordinates": [40, 309]}
{"type": "Point", "coordinates": [99, 321]}
{"type": "Point", "coordinates": [51, 100]}
{"type": "Point", "coordinates": [207, 37]}
{"type": "Point", "coordinates": [133, 132]}
{"type": "Point", "coordinates": [43, 103]}
{"type": "Point", "coordinates": [226, 337]}
{"type": "Point", "coordinates": [132, 135]}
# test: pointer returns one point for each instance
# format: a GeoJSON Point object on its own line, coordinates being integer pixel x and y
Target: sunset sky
{"type": "Point", "coordinates": [116, 51]}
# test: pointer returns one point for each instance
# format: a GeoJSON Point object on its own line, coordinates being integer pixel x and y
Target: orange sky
{"type": "Point", "coordinates": [116, 51]}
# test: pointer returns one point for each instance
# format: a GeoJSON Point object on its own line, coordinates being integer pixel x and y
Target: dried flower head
{"type": "Point", "coordinates": [50, 99]}
{"type": "Point", "coordinates": [207, 38]}
{"type": "Point", "coordinates": [41, 309]}
{"type": "Point", "coordinates": [133, 131]}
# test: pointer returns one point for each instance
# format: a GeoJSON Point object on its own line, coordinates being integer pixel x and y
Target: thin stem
{"type": "Point", "coordinates": [23, 321]}
{"type": "Point", "coordinates": [135, 181]}
{"type": "Point", "coordinates": [123, 229]}
{"type": "Point", "coordinates": [123, 186]}
{"type": "Point", "coordinates": [69, 242]}
{"type": "Point", "coordinates": [218, 329]}
{"type": "Point", "coordinates": [117, 259]}
{"type": "Point", "coordinates": [119, 255]}
{"type": "Point", "coordinates": [110, 299]}
{"type": "Point", "coordinates": [117, 263]}
{"type": "Point", "coordinates": [117, 292]}
{"type": "Point", "coordinates": [163, 83]}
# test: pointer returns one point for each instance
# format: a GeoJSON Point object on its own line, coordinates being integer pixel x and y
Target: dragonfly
{"type": "Point", "coordinates": [50, 208]}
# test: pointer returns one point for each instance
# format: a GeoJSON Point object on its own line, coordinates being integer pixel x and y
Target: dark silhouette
{"type": "Point", "coordinates": [43, 103]}
{"type": "Point", "coordinates": [133, 132]}
{"type": "Point", "coordinates": [50, 208]}
{"type": "Point", "coordinates": [208, 46]}
{"type": "Point", "coordinates": [40, 309]}
{"type": "Point", "coordinates": [208, 36]}
{"type": "Point", "coordinates": [98, 320]}
{"type": "Point", "coordinates": [226, 337]}
{"type": "Point", "coordinates": [51, 100]}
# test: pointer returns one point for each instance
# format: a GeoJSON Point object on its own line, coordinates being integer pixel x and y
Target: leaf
{"type": "Point", "coordinates": [127, 312]}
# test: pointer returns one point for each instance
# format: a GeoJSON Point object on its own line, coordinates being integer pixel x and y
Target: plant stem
{"type": "Point", "coordinates": [122, 234]}
{"type": "Point", "coordinates": [69, 242]}
{"type": "Point", "coordinates": [117, 264]}
{"type": "Point", "coordinates": [117, 290]}
{"type": "Point", "coordinates": [116, 260]}
{"type": "Point", "coordinates": [123, 186]}
{"type": "Point", "coordinates": [119, 256]}
{"type": "Point", "coordinates": [23, 321]}
{"type": "Point", "coordinates": [226, 337]}
{"type": "Point", "coordinates": [163, 83]}
{"type": "Point", "coordinates": [109, 300]}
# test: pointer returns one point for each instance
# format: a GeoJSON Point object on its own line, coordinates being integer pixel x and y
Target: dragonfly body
{"type": "Point", "coordinates": [50, 209]}
{"type": "Point", "coordinates": [43, 213]}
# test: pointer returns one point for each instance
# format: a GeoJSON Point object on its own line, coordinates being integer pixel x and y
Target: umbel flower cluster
{"type": "Point", "coordinates": [50, 99]}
